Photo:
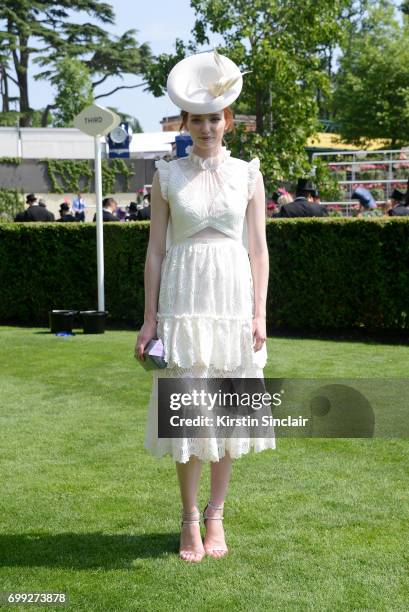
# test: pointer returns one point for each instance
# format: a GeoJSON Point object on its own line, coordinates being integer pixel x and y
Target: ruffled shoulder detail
{"type": "Point", "coordinates": [163, 168]}
{"type": "Point", "coordinates": [253, 170]}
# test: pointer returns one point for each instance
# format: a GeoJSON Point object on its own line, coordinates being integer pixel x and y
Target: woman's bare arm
{"type": "Point", "coordinates": [258, 253]}
{"type": "Point", "coordinates": [154, 257]}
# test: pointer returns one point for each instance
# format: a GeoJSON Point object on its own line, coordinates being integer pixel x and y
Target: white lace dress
{"type": "Point", "coordinates": [205, 307]}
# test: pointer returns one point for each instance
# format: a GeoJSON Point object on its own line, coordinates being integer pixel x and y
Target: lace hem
{"type": "Point", "coordinates": [205, 449]}
{"type": "Point", "coordinates": [163, 168]}
{"type": "Point", "coordinates": [236, 447]}
{"type": "Point", "coordinates": [221, 342]}
{"type": "Point", "coordinates": [253, 170]}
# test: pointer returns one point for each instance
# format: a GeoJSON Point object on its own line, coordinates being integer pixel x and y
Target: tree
{"type": "Point", "coordinates": [280, 42]}
{"type": "Point", "coordinates": [371, 98]}
{"type": "Point", "coordinates": [74, 91]}
{"type": "Point", "coordinates": [42, 29]}
{"type": "Point", "coordinates": [349, 18]}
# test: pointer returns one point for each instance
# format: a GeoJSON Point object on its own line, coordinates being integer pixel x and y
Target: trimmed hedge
{"type": "Point", "coordinates": [45, 266]}
{"type": "Point", "coordinates": [339, 273]}
{"type": "Point", "coordinates": [332, 273]}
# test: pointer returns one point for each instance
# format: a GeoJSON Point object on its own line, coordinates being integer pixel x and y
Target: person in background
{"type": "Point", "coordinates": [270, 208]}
{"type": "Point", "coordinates": [139, 197]}
{"type": "Point", "coordinates": [132, 212]}
{"type": "Point", "coordinates": [35, 212]}
{"type": "Point", "coordinates": [303, 205]}
{"type": "Point", "coordinates": [272, 203]}
{"type": "Point", "coordinates": [147, 198]}
{"type": "Point", "coordinates": [403, 209]}
{"type": "Point", "coordinates": [285, 198]}
{"type": "Point", "coordinates": [274, 197]}
{"type": "Point", "coordinates": [144, 213]}
{"type": "Point", "coordinates": [316, 197]}
{"type": "Point", "coordinates": [121, 214]}
{"type": "Point", "coordinates": [42, 203]}
{"type": "Point", "coordinates": [397, 199]}
{"type": "Point", "coordinates": [78, 207]}
{"type": "Point", "coordinates": [65, 213]}
{"type": "Point", "coordinates": [109, 207]}
{"type": "Point", "coordinates": [367, 204]}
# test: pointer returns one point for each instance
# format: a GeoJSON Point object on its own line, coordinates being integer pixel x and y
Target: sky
{"type": "Point", "coordinates": [159, 23]}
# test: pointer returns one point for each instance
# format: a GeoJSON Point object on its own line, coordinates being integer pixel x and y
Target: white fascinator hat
{"type": "Point", "coordinates": [204, 83]}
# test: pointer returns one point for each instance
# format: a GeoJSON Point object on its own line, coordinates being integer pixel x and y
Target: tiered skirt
{"type": "Point", "coordinates": [205, 314]}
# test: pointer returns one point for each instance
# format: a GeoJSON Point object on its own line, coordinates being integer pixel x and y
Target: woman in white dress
{"type": "Point", "coordinates": [206, 278]}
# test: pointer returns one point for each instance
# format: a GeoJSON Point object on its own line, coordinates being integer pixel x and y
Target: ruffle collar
{"type": "Point", "coordinates": [208, 163]}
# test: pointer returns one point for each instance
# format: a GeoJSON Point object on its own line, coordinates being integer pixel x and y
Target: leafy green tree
{"type": "Point", "coordinates": [42, 30]}
{"type": "Point", "coordinates": [349, 19]}
{"type": "Point", "coordinates": [156, 72]}
{"type": "Point", "coordinates": [371, 98]}
{"type": "Point", "coordinates": [280, 41]}
{"type": "Point", "coordinates": [74, 91]}
{"type": "Point", "coordinates": [13, 118]}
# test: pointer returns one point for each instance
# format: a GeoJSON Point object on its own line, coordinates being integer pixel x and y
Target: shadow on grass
{"type": "Point", "coordinates": [82, 551]}
{"type": "Point", "coordinates": [364, 336]}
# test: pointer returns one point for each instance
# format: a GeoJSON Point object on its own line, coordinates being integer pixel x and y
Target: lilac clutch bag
{"type": "Point", "coordinates": [154, 355]}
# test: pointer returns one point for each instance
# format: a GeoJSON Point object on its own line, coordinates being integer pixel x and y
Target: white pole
{"type": "Point", "coordinates": [100, 232]}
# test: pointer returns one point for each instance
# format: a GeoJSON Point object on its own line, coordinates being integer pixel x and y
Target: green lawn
{"type": "Point", "coordinates": [314, 525]}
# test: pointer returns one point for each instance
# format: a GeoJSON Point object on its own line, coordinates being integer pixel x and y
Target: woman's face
{"type": "Point", "coordinates": [206, 130]}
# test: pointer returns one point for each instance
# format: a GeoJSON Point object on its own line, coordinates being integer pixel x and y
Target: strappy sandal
{"type": "Point", "coordinates": [211, 550]}
{"type": "Point", "coordinates": [187, 519]}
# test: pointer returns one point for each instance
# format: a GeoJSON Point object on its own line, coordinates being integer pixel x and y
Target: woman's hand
{"type": "Point", "coordinates": [259, 332]}
{"type": "Point", "coordinates": [146, 333]}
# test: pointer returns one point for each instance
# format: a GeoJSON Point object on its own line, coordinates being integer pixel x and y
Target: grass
{"type": "Point", "coordinates": [313, 525]}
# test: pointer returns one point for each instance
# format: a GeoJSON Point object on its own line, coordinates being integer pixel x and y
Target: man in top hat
{"type": "Point", "coordinates": [35, 212]}
{"type": "Point", "coordinates": [132, 212]}
{"type": "Point", "coordinates": [402, 207]}
{"type": "Point", "coordinates": [303, 205]}
{"type": "Point", "coordinates": [65, 214]}
{"type": "Point", "coordinates": [397, 200]}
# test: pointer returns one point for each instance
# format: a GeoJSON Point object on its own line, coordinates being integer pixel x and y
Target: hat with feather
{"type": "Point", "coordinates": [204, 83]}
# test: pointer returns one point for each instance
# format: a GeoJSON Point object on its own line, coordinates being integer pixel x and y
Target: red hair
{"type": "Point", "coordinates": [228, 117]}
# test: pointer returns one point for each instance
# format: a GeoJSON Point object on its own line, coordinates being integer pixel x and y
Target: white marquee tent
{"type": "Point", "coordinates": [70, 143]}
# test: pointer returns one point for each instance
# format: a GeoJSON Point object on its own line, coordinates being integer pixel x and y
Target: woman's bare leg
{"type": "Point", "coordinates": [191, 545]}
{"type": "Point", "coordinates": [220, 472]}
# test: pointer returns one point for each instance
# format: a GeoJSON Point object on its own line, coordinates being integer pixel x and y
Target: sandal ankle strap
{"type": "Point", "coordinates": [214, 507]}
{"type": "Point", "coordinates": [187, 517]}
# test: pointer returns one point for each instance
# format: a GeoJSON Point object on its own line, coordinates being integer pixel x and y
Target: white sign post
{"type": "Point", "coordinates": [96, 121]}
